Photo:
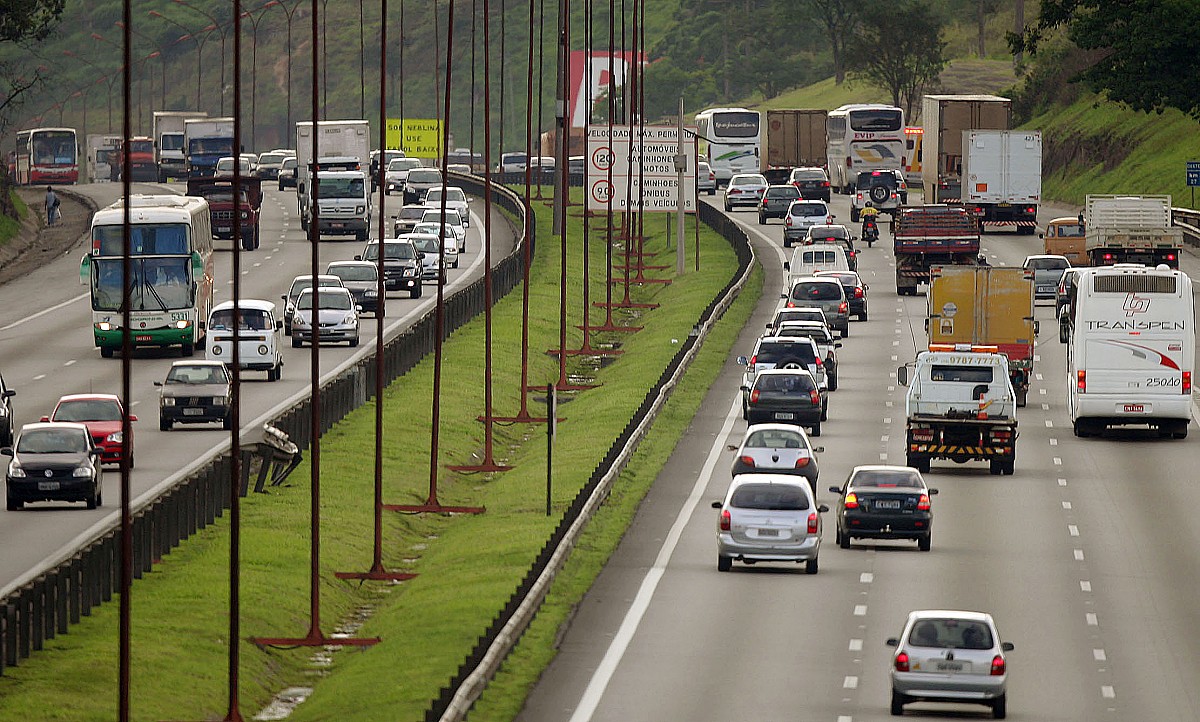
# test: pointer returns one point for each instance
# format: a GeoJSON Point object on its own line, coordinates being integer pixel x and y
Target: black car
{"type": "Point", "coordinates": [401, 265]}
{"type": "Point", "coordinates": [785, 396]}
{"type": "Point", "coordinates": [6, 413]}
{"type": "Point", "coordinates": [813, 183]}
{"type": "Point", "coordinates": [776, 201]}
{"type": "Point", "coordinates": [195, 392]}
{"type": "Point", "coordinates": [884, 502]}
{"type": "Point", "coordinates": [53, 461]}
{"type": "Point", "coordinates": [856, 291]}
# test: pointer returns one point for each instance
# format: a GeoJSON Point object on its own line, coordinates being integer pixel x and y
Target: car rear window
{"type": "Point", "coordinates": [817, 291]}
{"type": "Point", "coordinates": [808, 175]}
{"type": "Point", "coordinates": [785, 383]}
{"type": "Point", "coordinates": [775, 439]}
{"type": "Point", "coordinates": [769, 497]}
{"type": "Point", "coordinates": [809, 209]}
{"type": "Point", "coordinates": [875, 178]}
{"type": "Point", "coordinates": [818, 333]}
{"type": "Point", "coordinates": [819, 257]}
{"type": "Point", "coordinates": [792, 314]}
{"type": "Point", "coordinates": [951, 634]}
{"type": "Point", "coordinates": [783, 192]}
{"type": "Point", "coordinates": [771, 352]}
{"type": "Point", "coordinates": [886, 478]}
{"type": "Point", "coordinates": [1047, 264]}
{"type": "Point", "coordinates": [963, 374]}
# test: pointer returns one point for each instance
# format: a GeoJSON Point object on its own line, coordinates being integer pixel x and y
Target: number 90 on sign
{"type": "Point", "coordinates": [602, 191]}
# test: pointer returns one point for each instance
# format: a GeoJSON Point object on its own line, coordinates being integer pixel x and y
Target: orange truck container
{"type": "Point", "coordinates": [986, 306]}
{"type": "Point", "coordinates": [1065, 237]}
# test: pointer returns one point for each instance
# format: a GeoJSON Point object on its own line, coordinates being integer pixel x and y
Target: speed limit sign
{"type": "Point", "coordinates": [602, 191]}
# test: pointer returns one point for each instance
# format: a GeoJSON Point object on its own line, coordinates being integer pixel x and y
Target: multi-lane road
{"type": "Point", "coordinates": [46, 350]}
{"type": "Point", "coordinates": [1086, 557]}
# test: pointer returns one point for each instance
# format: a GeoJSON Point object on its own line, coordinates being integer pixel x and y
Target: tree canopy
{"type": "Point", "coordinates": [900, 50]}
{"type": "Point", "coordinates": [23, 21]}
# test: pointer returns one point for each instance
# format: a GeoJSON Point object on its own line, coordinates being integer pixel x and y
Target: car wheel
{"type": "Point", "coordinates": [416, 292]}
{"type": "Point", "coordinates": [227, 423]}
{"type": "Point", "coordinates": [1000, 706]}
{"type": "Point", "coordinates": [354, 342]}
{"type": "Point", "coordinates": [862, 316]}
{"type": "Point", "coordinates": [762, 220]}
{"type": "Point", "coordinates": [846, 331]}
{"type": "Point", "coordinates": [296, 343]}
{"type": "Point", "coordinates": [1009, 468]}
{"type": "Point", "coordinates": [825, 412]}
{"type": "Point", "coordinates": [816, 429]}
{"type": "Point", "coordinates": [853, 215]}
{"type": "Point", "coordinates": [164, 424]}
{"type": "Point", "coordinates": [713, 192]}
{"type": "Point", "coordinates": [724, 564]}
{"type": "Point", "coordinates": [14, 504]}
{"type": "Point", "coordinates": [920, 463]}
{"type": "Point", "coordinates": [810, 567]}
{"type": "Point", "coordinates": [106, 351]}
{"type": "Point", "coordinates": [843, 539]}
{"type": "Point", "coordinates": [189, 349]}
{"type": "Point", "coordinates": [786, 242]}
{"type": "Point", "coordinates": [897, 704]}
{"type": "Point", "coordinates": [1181, 429]}
{"type": "Point", "coordinates": [745, 409]}
{"type": "Point", "coordinates": [925, 542]}
{"type": "Point", "coordinates": [93, 501]}
{"type": "Point", "coordinates": [833, 382]}
{"type": "Point", "coordinates": [996, 467]}
{"type": "Point", "coordinates": [131, 460]}
{"type": "Point", "coordinates": [455, 262]}
{"type": "Point", "coordinates": [728, 208]}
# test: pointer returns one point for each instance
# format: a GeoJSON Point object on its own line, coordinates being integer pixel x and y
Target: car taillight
{"type": "Point", "coordinates": [812, 529]}
{"type": "Point", "coordinates": [842, 307]}
{"type": "Point", "coordinates": [998, 666]}
{"type": "Point", "coordinates": [788, 222]}
{"type": "Point", "coordinates": [726, 521]}
{"type": "Point", "coordinates": [712, 176]}
{"type": "Point", "coordinates": [790, 305]}
{"type": "Point", "coordinates": [754, 359]}
{"type": "Point", "coordinates": [828, 220]}
{"type": "Point", "coordinates": [820, 363]}
{"type": "Point", "coordinates": [851, 501]}
{"type": "Point", "coordinates": [1107, 257]}
{"type": "Point", "coordinates": [802, 462]}
{"type": "Point", "coordinates": [1187, 382]}
{"type": "Point", "coordinates": [1031, 210]}
{"type": "Point", "coordinates": [1081, 382]}
{"type": "Point", "coordinates": [858, 293]}
{"type": "Point", "coordinates": [1170, 256]}
{"type": "Point", "coordinates": [849, 161]}
{"type": "Point", "coordinates": [747, 460]}
{"type": "Point", "coordinates": [824, 184]}
{"type": "Point", "coordinates": [901, 662]}
{"type": "Point", "coordinates": [923, 503]}
{"type": "Point", "coordinates": [814, 396]}
{"type": "Point", "coordinates": [754, 396]}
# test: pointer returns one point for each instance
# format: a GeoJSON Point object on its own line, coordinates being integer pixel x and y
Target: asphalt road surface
{"type": "Point", "coordinates": [47, 350]}
{"type": "Point", "coordinates": [1086, 557]}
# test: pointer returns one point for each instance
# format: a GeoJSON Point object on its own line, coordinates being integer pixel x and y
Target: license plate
{"type": "Point", "coordinates": [223, 229]}
{"type": "Point", "coordinates": [1134, 408]}
{"type": "Point", "coordinates": [141, 338]}
{"type": "Point", "coordinates": [887, 504]}
{"type": "Point", "coordinates": [1045, 289]}
{"type": "Point", "coordinates": [48, 486]}
{"type": "Point", "coordinates": [193, 412]}
{"type": "Point", "coordinates": [336, 225]}
{"type": "Point", "coordinates": [950, 666]}
{"type": "Point", "coordinates": [768, 532]}
{"type": "Point", "coordinates": [784, 416]}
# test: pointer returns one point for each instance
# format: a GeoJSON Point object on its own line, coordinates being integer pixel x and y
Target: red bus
{"type": "Point", "coordinates": [47, 156]}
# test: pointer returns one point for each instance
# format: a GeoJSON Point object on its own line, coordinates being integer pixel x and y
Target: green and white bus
{"type": "Point", "coordinates": [171, 288]}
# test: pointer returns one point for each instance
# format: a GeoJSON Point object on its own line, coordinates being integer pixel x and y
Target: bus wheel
{"type": "Point", "coordinates": [189, 349]}
{"type": "Point", "coordinates": [106, 351]}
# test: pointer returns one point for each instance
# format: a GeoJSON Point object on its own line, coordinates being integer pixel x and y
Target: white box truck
{"type": "Point", "coordinates": [101, 154]}
{"type": "Point", "coordinates": [344, 146]}
{"type": "Point", "coordinates": [169, 141]}
{"type": "Point", "coordinates": [944, 118]}
{"type": "Point", "coordinates": [1002, 177]}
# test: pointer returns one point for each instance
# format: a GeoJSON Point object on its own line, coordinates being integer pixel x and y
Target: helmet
{"type": "Point", "coordinates": [868, 204]}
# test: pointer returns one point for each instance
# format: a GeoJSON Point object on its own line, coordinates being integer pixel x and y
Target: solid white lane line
{"type": "Point", "coordinates": [641, 602]}
{"type": "Point", "coordinates": [45, 311]}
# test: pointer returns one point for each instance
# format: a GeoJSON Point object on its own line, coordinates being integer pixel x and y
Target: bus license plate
{"type": "Point", "coordinates": [141, 338]}
{"type": "Point", "coordinates": [223, 229]}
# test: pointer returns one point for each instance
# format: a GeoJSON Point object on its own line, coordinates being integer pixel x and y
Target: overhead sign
{"type": "Point", "coordinates": [1193, 173]}
{"type": "Point", "coordinates": [653, 184]}
{"type": "Point", "coordinates": [417, 137]}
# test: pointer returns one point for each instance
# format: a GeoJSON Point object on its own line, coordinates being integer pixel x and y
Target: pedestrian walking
{"type": "Point", "coordinates": [52, 212]}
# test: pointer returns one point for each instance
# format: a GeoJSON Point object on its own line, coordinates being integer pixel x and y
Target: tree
{"type": "Point", "coordinates": [841, 18]}
{"type": "Point", "coordinates": [22, 22]}
{"type": "Point", "coordinates": [1145, 48]}
{"type": "Point", "coordinates": [900, 51]}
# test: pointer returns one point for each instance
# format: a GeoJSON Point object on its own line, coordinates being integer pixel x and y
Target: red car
{"type": "Point", "coordinates": [101, 413]}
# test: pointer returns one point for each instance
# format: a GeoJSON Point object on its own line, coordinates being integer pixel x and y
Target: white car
{"type": "Point", "coordinates": [456, 200]}
{"type": "Point", "coordinates": [803, 215]}
{"type": "Point", "coordinates": [453, 220]}
{"type": "Point", "coordinates": [225, 165]}
{"type": "Point", "coordinates": [396, 174]}
{"type": "Point", "coordinates": [328, 312]}
{"type": "Point", "coordinates": [744, 189]}
{"type": "Point", "coordinates": [768, 518]}
{"type": "Point", "coordinates": [260, 336]}
{"type": "Point", "coordinates": [433, 264]}
{"type": "Point", "coordinates": [706, 179]}
{"type": "Point", "coordinates": [447, 235]}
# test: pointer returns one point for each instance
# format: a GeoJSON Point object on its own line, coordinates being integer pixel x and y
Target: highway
{"type": "Point", "coordinates": [1085, 557]}
{"type": "Point", "coordinates": [47, 350]}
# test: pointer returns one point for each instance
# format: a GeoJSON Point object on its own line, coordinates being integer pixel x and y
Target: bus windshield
{"type": "Point", "coordinates": [141, 146]}
{"type": "Point", "coordinates": [159, 284]}
{"type": "Point", "coordinates": [882, 119]}
{"type": "Point", "coordinates": [146, 239]}
{"type": "Point", "coordinates": [735, 125]}
{"type": "Point", "coordinates": [54, 147]}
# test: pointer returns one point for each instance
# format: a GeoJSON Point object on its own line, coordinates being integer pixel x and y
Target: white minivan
{"type": "Point", "coordinates": [807, 260]}
{"type": "Point", "coordinates": [260, 336]}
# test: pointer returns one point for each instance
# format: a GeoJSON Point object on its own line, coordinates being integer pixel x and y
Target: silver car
{"type": "Point", "coordinates": [744, 189]}
{"type": "Point", "coordinates": [331, 315]}
{"type": "Point", "coordinates": [706, 179]}
{"type": "Point", "coordinates": [433, 268]}
{"type": "Point", "coordinates": [825, 293]}
{"type": "Point", "coordinates": [776, 449]}
{"type": "Point", "coordinates": [801, 313]}
{"type": "Point", "coordinates": [1047, 272]}
{"type": "Point", "coordinates": [950, 656]}
{"type": "Point", "coordinates": [768, 518]}
{"type": "Point", "coordinates": [821, 335]}
{"type": "Point", "coordinates": [801, 216]}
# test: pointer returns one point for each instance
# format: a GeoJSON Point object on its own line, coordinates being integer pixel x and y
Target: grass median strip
{"type": "Point", "coordinates": [467, 565]}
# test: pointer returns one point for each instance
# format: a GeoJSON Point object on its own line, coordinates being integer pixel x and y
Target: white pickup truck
{"type": "Point", "coordinates": [960, 406]}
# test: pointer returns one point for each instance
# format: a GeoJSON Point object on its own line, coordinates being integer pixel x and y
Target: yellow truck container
{"type": "Point", "coordinates": [1065, 237]}
{"type": "Point", "coordinates": [985, 306]}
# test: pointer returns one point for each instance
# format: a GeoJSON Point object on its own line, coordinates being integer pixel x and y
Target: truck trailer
{"type": "Point", "coordinates": [1131, 229]}
{"type": "Point", "coordinates": [1002, 177]}
{"type": "Point", "coordinates": [944, 118]}
{"type": "Point", "coordinates": [928, 236]}
{"type": "Point", "coordinates": [795, 138]}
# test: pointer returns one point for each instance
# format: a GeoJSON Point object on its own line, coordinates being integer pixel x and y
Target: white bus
{"type": "Point", "coordinates": [731, 139]}
{"type": "Point", "coordinates": [1131, 348]}
{"type": "Point", "coordinates": [171, 288]}
{"type": "Point", "coordinates": [863, 137]}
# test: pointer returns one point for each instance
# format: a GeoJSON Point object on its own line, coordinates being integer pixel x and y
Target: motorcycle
{"type": "Point", "coordinates": [870, 231]}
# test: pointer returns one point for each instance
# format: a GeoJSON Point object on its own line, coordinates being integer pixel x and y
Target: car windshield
{"type": "Point", "coordinates": [1047, 264]}
{"type": "Point", "coordinates": [302, 283]}
{"type": "Point", "coordinates": [363, 272]}
{"type": "Point", "coordinates": [391, 252]}
{"type": "Point", "coordinates": [769, 497]}
{"type": "Point", "coordinates": [817, 291]}
{"type": "Point", "coordinates": [434, 229]}
{"type": "Point", "coordinates": [431, 175]}
{"type": "Point", "coordinates": [951, 633]}
{"type": "Point", "coordinates": [427, 245]}
{"type": "Point", "coordinates": [435, 216]}
{"type": "Point", "coordinates": [772, 352]}
{"type": "Point", "coordinates": [272, 158]}
{"type": "Point", "coordinates": [88, 410]}
{"type": "Point", "coordinates": [795, 314]}
{"type": "Point", "coordinates": [821, 233]}
{"type": "Point", "coordinates": [252, 319]}
{"type": "Point", "coordinates": [328, 301]}
{"type": "Point", "coordinates": [52, 441]}
{"type": "Point", "coordinates": [775, 439]}
{"type": "Point", "coordinates": [846, 279]}
{"type": "Point", "coordinates": [809, 209]}
{"type": "Point", "coordinates": [887, 478]}
{"type": "Point", "coordinates": [206, 374]}
{"type": "Point", "coordinates": [876, 178]}
{"type": "Point", "coordinates": [340, 187]}
{"type": "Point", "coordinates": [783, 192]}
{"type": "Point", "coordinates": [289, 164]}
{"type": "Point", "coordinates": [412, 213]}
{"type": "Point", "coordinates": [452, 194]}
{"type": "Point", "coordinates": [785, 383]}
{"type": "Point", "coordinates": [404, 164]}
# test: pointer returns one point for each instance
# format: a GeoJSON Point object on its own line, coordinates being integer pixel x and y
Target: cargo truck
{"type": "Point", "coordinates": [928, 236]}
{"type": "Point", "coordinates": [795, 139]}
{"type": "Point", "coordinates": [1131, 229]}
{"type": "Point", "coordinates": [1002, 177]}
{"type": "Point", "coordinates": [218, 191]}
{"type": "Point", "coordinates": [342, 139]}
{"type": "Point", "coordinates": [986, 306]}
{"type": "Point", "coordinates": [206, 140]}
{"type": "Point", "coordinates": [101, 155]}
{"type": "Point", "coordinates": [960, 406]}
{"type": "Point", "coordinates": [169, 142]}
{"type": "Point", "coordinates": [944, 118]}
{"type": "Point", "coordinates": [141, 160]}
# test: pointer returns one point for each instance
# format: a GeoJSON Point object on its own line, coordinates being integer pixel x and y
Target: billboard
{"type": "Point", "coordinates": [581, 99]}
{"type": "Point", "coordinates": [417, 137]}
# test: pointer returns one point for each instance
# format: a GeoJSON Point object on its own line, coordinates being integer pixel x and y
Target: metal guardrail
{"type": "Point", "coordinates": [48, 599]}
{"type": "Point", "coordinates": [508, 625]}
{"type": "Point", "coordinates": [1189, 221]}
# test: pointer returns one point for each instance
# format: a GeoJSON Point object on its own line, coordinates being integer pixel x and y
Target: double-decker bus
{"type": "Point", "coordinates": [864, 137]}
{"type": "Point", "coordinates": [171, 286]}
{"type": "Point", "coordinates": [731, 139]}
{"type": "Point", "coordinates": [47, 156]}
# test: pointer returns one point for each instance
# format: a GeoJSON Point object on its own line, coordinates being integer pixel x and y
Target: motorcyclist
{"type": "Point", "coordinates": [870, 222]}
{"type": "Point", "coordinates": [982, 260]}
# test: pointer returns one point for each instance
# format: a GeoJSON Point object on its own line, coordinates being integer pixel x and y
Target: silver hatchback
{"type": "Point", "coordinates": [825, 293]}
{"type": "Point", "coordinates": [950, 656]}
{"type": "Point", "coordinates": [776, 449]}
{"type": "Point", "coordinates": [768, 518]}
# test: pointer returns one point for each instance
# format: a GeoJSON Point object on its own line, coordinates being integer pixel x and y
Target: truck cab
{"type": "Point", "coordinates": [344, 202]}
{"type": "Point", "coordinates": [218, 191]}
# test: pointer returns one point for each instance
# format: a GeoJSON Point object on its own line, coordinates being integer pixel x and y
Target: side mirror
{"type": "Point", "coordinates": [731, 447]}
{"type": "Point", "coordinates": [10, 393]}
{"type": "Point", "coordinates": [854, 238]}
{"type": "Point", "coordinates": [1041, 235]}
{"type": "Point", "coordinates": [836, 489]}
{"type": "Point", "coordinates": [744, 388]}
{"type": "Point", "coordinates": [818, 449]}
{"type": "Point", "coordinates": [283, 297]}
{"type": "Point", "coordinates": [1037, 327]}
{"type": "Point", "coordinates": [893, 642]}
{"type": "Point", "coordinates": [278, 325]}
{"type": "Point", "coordinates": [932, 492]}
{"type": "Point", "coordinates": [741, 360]}
{"type": "Point", "coordinates": [158, 383]}
{"type": "Point", "coordinates": [1007, 646]}
{"type": "Point", "coordinates": [715, 504]}
{"type": "Point", "coordinates": [902, 375]}
{"type": "Point", "coordinates": [821, 509]}
{"type": "Point", "coordinates": [787, 266]}
{"type": "Point", "coordinates": [837, 344]}
{"type": "Point", "coordinates": [866, 287]}
{"type": "Point", "coordinates": [6, 451]}
{"type": "Point", "coordinates": [358, 257]}
{"type": "Point", "coordinates": [783, 295]}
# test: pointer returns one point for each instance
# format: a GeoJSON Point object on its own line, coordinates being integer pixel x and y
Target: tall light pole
{"type": "Point", "coordinates": [107, 77]}
{"type": "Point", "coordinates": [196, 38]}
{"type": "Point", "coordinates": [141, 67]}
{"type": "Point", "coordinates": [161, 54]}
{"type": "Point", "coordinates": [289, 12]}
{"type": "Point", "coordinates": [254, 20]}
{"type": "Point", "coordinates": [216, 25]}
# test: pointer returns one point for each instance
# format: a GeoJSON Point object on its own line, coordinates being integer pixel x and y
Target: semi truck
{"type": "Point", "coordinates": [928, 236]}
{"type": "Point", "coordinates": [795, 138]}
{"type": "Point", "coordinates": [944, 118]}
{"type": "Point", "coordinates": [1131, 229]}
{"type": "Point", "coordinates": [141, 160]}
{"type": "Point", "coordinates": [960, 406]}
{"type": "Point", "coordinates": [206, 140]}
{"type": "Point", "coordinates": [1002, 177]}
{"type": "Point", "coordinates": [169, 141]}
{"type": "Point", "coordinates": [986, 306]}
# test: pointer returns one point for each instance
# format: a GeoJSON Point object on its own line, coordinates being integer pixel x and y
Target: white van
{"type": "Point", "coordinates": [807, 260]}
{"type": "Point", "coordinates": [1131, 349]}
{"type": "Point", "coordinates": [260, 336]}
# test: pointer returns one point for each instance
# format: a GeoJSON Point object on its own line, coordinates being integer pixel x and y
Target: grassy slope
{"type": "Point", "coordinates": [9, 227]}
{"type": "Point", "coordinates": [468, 565]}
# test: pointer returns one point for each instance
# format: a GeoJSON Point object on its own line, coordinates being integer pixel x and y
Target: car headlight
{"type": "Point", "coordinates": [410, 271]}
{"type": "Point", "coordinates": [360, 209]}
{"type": "Point", "coordinates": [216, 350]}
{"type": "Point", "coordinates": [15, 471]}
{"type": "Point", "coordinates": [116, 437]}
{"type": "Point", "coordinates": [168, 401]}
{"type": "Point", "coordinates": [263, 350]}
{"type": "Point", "coordinates": [82, 471]}
{"type": "Point", "coordinates": [220, 400]}
{"type": "Point", "coordinates": [299, 321]}
{"type": "Point", "coordinates": [103, 326]}
{"type": "Point", "coordinates": [351, 319]}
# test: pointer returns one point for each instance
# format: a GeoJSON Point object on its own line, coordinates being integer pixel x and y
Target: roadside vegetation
{"type": "Point", "coordinates": [10, 223]}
